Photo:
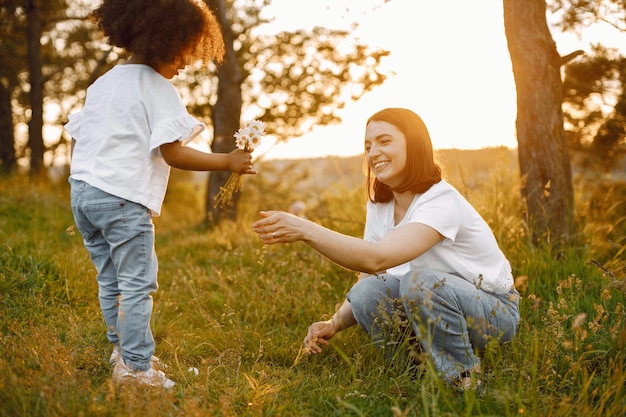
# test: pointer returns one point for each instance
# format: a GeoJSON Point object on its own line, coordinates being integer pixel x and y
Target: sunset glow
{"type": "Point", "coordinates": [451, 65]}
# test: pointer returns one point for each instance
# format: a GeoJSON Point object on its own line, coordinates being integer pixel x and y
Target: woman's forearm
{"type": "Point", "coordinates": [347, 251]}
{"type": "Point", "coordinates": [350, 252]}
{"type": "Point", "coordinates": [343, 318]}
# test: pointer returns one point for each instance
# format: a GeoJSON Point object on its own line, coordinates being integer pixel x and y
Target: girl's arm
{"type": "Point", "coordinates": [190, 159]}
{"type": "Point", "coordinates": [397, 247]}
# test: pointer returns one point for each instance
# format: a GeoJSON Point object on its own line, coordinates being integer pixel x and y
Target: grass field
{"type": "Point", "coordinates": [238, 312]}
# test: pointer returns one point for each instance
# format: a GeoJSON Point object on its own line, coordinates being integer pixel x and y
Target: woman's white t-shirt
{"type": "Point", "coordinates": [469, 248]}
{"type": "Point", "coordinates": [129, 112]}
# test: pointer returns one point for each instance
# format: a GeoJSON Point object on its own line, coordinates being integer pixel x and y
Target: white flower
{"type": "Point", "coordinates": [249, 136]}
{"type": "Point", "coordinates": [257, 126]}
{"type": "Point", "coordinates": [246, 138]}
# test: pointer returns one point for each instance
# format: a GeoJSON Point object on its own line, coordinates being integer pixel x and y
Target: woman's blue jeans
{"type": "Point", "coordinates": [452, 319]}
{"type": "Point", "coordinates": [119, 236]}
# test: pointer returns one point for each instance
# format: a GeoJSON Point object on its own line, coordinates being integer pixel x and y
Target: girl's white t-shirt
{"type": "Point", "coordinates": [129, 112]}
{"type": "Point", "coordinates": [469, 248]}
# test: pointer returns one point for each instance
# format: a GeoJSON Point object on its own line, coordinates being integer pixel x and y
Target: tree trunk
{"type": "Point", "coordinates": [35, 126]}
{"type": "Point", "coordinates": [226, 115]}
{"type": "Point", "coordinates": [542, 147]}
{"type": "Point", "coordinates": [7, 140]}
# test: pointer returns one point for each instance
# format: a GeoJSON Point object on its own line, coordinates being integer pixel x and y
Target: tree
{"type": "Point", "coordinates": [542, 146]}
{"type": "Point", "coordinates": [11, 45]}
{"type": "Point", "coordinates": [33, 48]}
{"type": "Point", "coordinates": [49, 53]}
{"type": "Point", "coordinates": [7, 138]}
{"type": "Point", "coordinates": [226, 112]}
{"type": "Point", "coordinates": [290, 80]}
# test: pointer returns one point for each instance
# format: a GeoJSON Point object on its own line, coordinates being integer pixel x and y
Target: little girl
{"type": "Point", "coordinates": [130, 132]}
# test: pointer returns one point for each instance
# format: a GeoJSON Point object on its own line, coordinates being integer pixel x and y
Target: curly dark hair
{"type": "Point", "coordinates": [422, 170]}
{"type": "Point", "coordinates": [162, 30]}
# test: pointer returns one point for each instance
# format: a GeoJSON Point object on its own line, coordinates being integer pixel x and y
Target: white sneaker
{"type": "Point", "coordinates": [116, 355]}
{"type": "Point", "coordinates": [152, 377]}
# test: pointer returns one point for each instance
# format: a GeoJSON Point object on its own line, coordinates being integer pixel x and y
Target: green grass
{"type": "Point", "coordinates": [238, 312]}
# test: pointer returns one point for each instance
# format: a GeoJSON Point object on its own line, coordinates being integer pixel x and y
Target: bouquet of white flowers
{"type": "Point", "coordinates": [246, 138]}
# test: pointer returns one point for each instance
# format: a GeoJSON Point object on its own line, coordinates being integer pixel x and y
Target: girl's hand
{"type": "Point", "coordinates": [319, 333]}
{"type": "Point", "coordinates": [240, 161]}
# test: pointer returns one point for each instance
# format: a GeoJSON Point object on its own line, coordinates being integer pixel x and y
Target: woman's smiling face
{"type": "Point", "coordinates": [385, 151]}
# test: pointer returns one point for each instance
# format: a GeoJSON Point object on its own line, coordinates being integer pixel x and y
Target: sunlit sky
{"type": "Point", "coordinates": [450, 62]}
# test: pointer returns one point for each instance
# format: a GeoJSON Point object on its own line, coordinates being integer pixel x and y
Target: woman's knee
{"type": "Point", "coordinates": [362, 291]}
{"type": "Point", "coordinates": [367, 294]}
{"type": "Point", "coordinates": [419, 282]}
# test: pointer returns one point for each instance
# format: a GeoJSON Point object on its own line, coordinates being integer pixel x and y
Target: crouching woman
{"type": "Point", "coordinates": [426, 254]}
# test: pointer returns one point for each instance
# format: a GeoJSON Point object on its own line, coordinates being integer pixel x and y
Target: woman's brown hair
{"type": "Point", "coordinates": [421, 170]}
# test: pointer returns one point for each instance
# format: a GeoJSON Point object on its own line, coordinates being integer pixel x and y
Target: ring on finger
{"type": "Point", "coordinates": [273, 235]}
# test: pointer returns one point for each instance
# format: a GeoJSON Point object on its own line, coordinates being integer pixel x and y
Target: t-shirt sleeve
{"type": "Point", "coordinates": [168, 116]}
{"type": "Point", "coordinates": [440, 211]}
{"type": "Point", "coordinates": [370, 234]}
{"type": "Point", "coordinates": [183, 127]}
{"type": "Point", "coordinates": [73, 125]}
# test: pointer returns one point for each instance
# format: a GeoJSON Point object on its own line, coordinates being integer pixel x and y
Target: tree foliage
{"type": "Point", "coordinates": [594, 86]}
{"type": "Point", "coordinates": [12, 41]}
{"type": "Point", "coordinates": [577, 15]}
{"type": "Point", "coordinates": [63, 58]}
{"type": "Point", "coordinates": [308, 77]}
{"type": "Point", "coordinates": [595, 108]}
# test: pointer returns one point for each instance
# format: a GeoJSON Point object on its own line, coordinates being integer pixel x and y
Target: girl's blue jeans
{"type": "Point", "coordinates": [119, 236]}
{"type": "Point", "coordinates": [452, 319]}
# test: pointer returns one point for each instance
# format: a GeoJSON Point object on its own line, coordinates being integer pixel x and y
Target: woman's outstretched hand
{"type": "Point", "coordinates": [278, 227]}
{"type": "Point", "coordinates": [319, 333]}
